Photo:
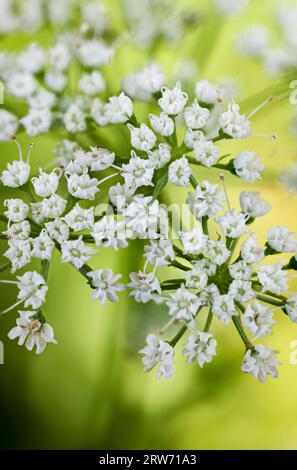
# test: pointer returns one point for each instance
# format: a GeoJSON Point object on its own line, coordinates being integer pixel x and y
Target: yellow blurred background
{"type": "Point", "coordinates": [90, 390]}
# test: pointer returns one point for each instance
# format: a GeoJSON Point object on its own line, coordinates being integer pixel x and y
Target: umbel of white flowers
{"type": "Point", "coordinates": [222, 277]}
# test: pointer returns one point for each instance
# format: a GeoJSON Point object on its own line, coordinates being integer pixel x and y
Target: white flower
{"type": "Point", "coordinates": [206, 152]}
{"type": "Point", "coordinates": [193, 137]}
{"type": "Point", "coordinates": [76, 252]}
{"type": "Point", "coordinates": [142, 138]}
{"type": "Point", "coordinates": [94, 53]}
{"type": "Point", "coordinates": [217, 251]}
{"type": "Point", "coordinates": [196, 278]}
{"type": "Point", "coordinates": [291, 308]}
{"type": "Point", "coordinates": [247, 165]}
{"type": "Point", "coordinates": [57, 230]}
{"type": "Point", "coordinates": [141, 216]}
{"type": "Point", "coordinates": [19, 230]}
{"type": "Point", "coordinates": [183, 304]}
{"type": "Point", "coordinates": [209, 294]}
{"type": "Point", "coordinates": [21, 84]}
{"type": "Point", "coordinates": [59, 56]}
{"type": "Point", "coordinates": [74, 119]}
{"type": "Point", "coordinates": [92, 83]}
{"type": "Point", "coordinates": [253, 41]}
{"type": "Point", "coordinates": [52, 207]}
{"type": "Point", "coordinates": [179, 172]}
{"type": "Point", "coordinates": [223, 307]}
{"type": "Point", "coordinates": [119, 109]}
{"type": "Point", "coordinates": [55, 80]}
{"type": "Point", "coordinates": [233, 224]}
{"type": "Point", "coordinates": [235, 124]}
{"type": "Point", "coordinates": [138, 172]}
{"type": "Point", "coordinates": [207, 92]}
{"type": "Point", "coordinates": [8, 125]}
{"type": "Point", "coordinates": [79, 163]}
{"type": "Point", "coordinates": [120, 195]}
{"type": "Point", "coordinates": [151, 78]}
{"type": "Point", "coordinates": [160, 156]}
{"type": "Point", "coordinates": [159, 252]}
{"type": "Point", "coordinates": [18, 253]}
{"type": "Point", "coordinates": [260, 362]}
{"type": "Point", "coordinates": [196, 116]}
{"type": "Point", "coordinates": [42, 99]}
{"type": "Point", "coordinates": [32, 59]}
{"type": "Point", "coordinates": [101, 158]}
{"type": "Point", "coordinates": [252, 204]}
{"type": "Point", "coordinates": [42, 246]}
{"type": "Point", "coordinates": [37, 214]}
{"type": "Point", "coordinates": [32, 289]}
{"type": "Point", "coordinates": [251, 251]}
{"type": "Point", "coordinates": [144, 287]}
{"type": "Point", "coordinates": [82, 186]}
{"type": "Point", "coordinates": [173, 101]}
{"type": "Point", "coordinates": [227, 7]}
{"type": "Point", "coordinates": [273, 278]}
{"type": "Point", "coordinates": [281, 240]}
{"type": "Point", "coordinates": [109, 232]}
{"type": "Point", "coordinates": [105, 285]}
{"type": "Point", "coordinates": [32, 332]}
{"type": "Point", "coordinates": [17, 210]}
{"type": "Point", "coordinates": [241, 270]}
{"type": "Point", "coordinates": [17, 172]}
{"type": "Point", "coordinates": [201, 346]}
{"type": "Point", "coordinates": [162, 124]}
{"type": "Point", "coordinates": [46, 184]}
{"type": "Point", "coordinates": [206, 200]}
{"type": "Point", "coordinates": [258, 318]}
{"type": "Point", "coordinates": [158, 352]}
{"type": "Point", "coordinates": [98, 112]}
{"type": "Point", "coordinates": [194, 241]}
{"type": "Point", "coordinates": [80, 219]}
{"type": "Point", "coordinates": [37, 121]}
{"type": "Point", "coordinates": [241, 290]}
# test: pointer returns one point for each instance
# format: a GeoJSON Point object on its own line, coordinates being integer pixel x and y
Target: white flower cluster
{"type": "Point", "coordinates": [218, 278]}
{"type": "Point", "coordinates": [257, 41]}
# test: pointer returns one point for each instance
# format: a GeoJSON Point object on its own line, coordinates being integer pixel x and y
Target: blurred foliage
{"type": "Point", "coordinates": [90, 391]}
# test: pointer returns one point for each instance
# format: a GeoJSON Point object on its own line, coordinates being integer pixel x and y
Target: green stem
{"type": "Point", "coordinates": [193, 181]}
{"type": "Point", "coordinates": [178, 265]}
{"type": "Point", "coordinates": [242, 334]}
{"type": "Point", "coordinates": [27, 189]}
{"type": "Point", "coordinates": [205, 225]}
{"type": "Point", "coordinates": [208, 321]}
{"type": "Point", "coordinates": [5, 266]}
{"type": "Point", "coordinates": [181, 332]}
{"type": "Point", "coordinates": [270, 301]}
{"type": "Point", "coordinates": [181, 254]}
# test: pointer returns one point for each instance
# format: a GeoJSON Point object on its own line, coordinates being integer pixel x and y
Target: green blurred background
{"type": "Point", "coordinates": [90, 390]}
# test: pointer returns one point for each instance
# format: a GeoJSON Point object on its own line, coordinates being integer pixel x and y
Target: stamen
{"type": "Point", "coordinates": [266, 136]}
{"type": "Point", "coordinates": [29, 152]}
{"type": "Point", "coordinates": [167, 325]}
{"type": "Point", "coordinates": [3, 281]}
{"type": "Point", "coordinates": [222, 179]}
{"type": "Point", "coordinates": [14, 305]}
{"type": "Point", "coordinates": [108, 177]}
{"type": "Point", "coordinates": [18, 146]}
{"type": "Point", "coordinates": [260, 107]}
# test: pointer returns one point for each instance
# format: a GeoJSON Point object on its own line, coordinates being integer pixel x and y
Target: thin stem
{"type": "Point", "coordinates": [193, 181]}
{"type": "Point", "coordinates": [208, 321]}
{"type": "Point", "coordinates": [5, 266]}
{"type": "Point", "coordinates": [178, 265]}
{"type": "Point", "coordinates": [205, 225]}
{"type": "Point", "coordinates": [241, 332]}
{"type": "Point", "coordinates": [181, 332]}
{"type": "Point", "coordinates": [268, 300]}
{"type": "Point", "coordinates": [181, 254]}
